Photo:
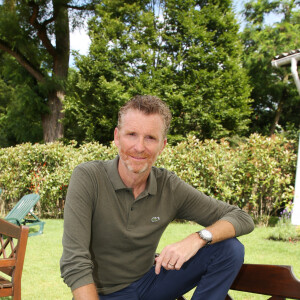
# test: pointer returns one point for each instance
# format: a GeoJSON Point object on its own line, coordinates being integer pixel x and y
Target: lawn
{"type": "Point", "coordinates": [41, 276]}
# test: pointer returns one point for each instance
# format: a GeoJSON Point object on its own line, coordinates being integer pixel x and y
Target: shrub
{"type": "Point", "coordinates": [44, 169]}
{"type": "Point", "coordinates": [257, 173]}
{"type": "Point", "coordinates": [284, 230]}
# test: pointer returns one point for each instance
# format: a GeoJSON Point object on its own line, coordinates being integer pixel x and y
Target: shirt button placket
{"type": "Point", "coordinates": [130, 218]}
{"type": "Point", "coordinates": [131, 212]}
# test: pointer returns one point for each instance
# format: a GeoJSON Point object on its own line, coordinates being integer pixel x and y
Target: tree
{"type": "Point", "coordinates": [105, 76]}
{"type": "Point", "coordinates": [202, 43]}
{"type": "Point", "coordinates": [36, 34]}
{"type": "Point", "coordinates": [276, 100]}
{"type": "Point", "coordinates": [186, 52]}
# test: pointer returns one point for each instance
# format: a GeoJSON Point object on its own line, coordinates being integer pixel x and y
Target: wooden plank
{"type": "Point", "coordinates": [4, 283]}
{"type": "Point", "coordinates": [7, 262]}
{"type": "Point", "coordinates": [6, 292]}
{"type": "Point", "coordinates": [273, 280]}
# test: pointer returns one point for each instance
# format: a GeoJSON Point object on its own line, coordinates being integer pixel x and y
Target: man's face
{"type": "Point", "coordinates": [140, 140]}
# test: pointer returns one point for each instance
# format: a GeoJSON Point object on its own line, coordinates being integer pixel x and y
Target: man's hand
{"type": "Point", "coordinates": [175, 255]}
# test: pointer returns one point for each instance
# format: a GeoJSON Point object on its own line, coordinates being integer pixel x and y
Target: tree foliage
{"type": "Point", "coordinates": [35, 33]}
{"type": "Point", "coordinates": [20, 106]}
{"type": "Point", "coordinates": [186, 52]}
{"type": "Point", "coordinates": [276, 100]}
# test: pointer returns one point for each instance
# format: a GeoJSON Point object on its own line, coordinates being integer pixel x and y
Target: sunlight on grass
{"type": "Point", "coordinates": [41, 275]}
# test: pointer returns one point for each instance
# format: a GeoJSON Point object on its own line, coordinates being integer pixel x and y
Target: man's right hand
{"type": "Point", "coordinates": [86, 292]}
{"type": "Point", "coordinates": [175, 255]}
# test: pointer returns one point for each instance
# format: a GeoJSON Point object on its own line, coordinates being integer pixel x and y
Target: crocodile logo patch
{"type": "Point", "coordinates": [155, 219]}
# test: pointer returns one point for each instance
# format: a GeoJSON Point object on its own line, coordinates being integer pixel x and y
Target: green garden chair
{"type": "Point", "coordinates": [22, 213]}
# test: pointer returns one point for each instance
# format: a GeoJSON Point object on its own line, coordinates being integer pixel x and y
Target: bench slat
{"type": "Point", "coordinates": [4, 283]}
{"type": "Point", "coordinates": [8, 262]}
{"type": "Point", "coordinates": [273, 280]}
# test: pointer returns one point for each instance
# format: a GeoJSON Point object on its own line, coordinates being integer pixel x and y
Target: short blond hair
{"type": "Point", "coordinates": [149, 105]}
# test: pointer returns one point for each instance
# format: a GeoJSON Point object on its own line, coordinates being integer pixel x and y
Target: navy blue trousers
{"type": "Point", "coordinates": [212, 271]}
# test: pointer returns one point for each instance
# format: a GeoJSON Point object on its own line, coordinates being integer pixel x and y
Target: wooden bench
{"type": "Point", "coordinates": [278, 282]}
{"type": "Point", "coordinates": [13, 241]}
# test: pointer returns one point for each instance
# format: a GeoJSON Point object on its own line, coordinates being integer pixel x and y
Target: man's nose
{"type": "Point", "coordinates": [140, 145]}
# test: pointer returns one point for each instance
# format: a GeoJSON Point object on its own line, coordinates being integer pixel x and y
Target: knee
{"type": "Point", "coordinates": [234, 251]}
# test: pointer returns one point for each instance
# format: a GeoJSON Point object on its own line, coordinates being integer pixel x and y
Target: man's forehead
{"type": "Point", "coordinates": [131, 113]}
{"type": "Point", "coordinates": [132, 121]}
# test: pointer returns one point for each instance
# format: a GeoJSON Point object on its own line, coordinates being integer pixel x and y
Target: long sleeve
{"type": "Point", "coordinates": [76, 264]}
{"type": "Point", "coordinates": [196, 206]}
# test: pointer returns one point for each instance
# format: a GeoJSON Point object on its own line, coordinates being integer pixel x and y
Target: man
{"type": "Point", "coordinates": [116, 212]}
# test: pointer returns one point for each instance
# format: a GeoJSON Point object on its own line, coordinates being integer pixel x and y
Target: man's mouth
{"type": "Point", "coordinates": [138, 157]}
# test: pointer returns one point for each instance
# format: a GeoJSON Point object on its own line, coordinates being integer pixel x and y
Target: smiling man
{"type": "Point", "coordinates": [116, 212]}
{"type": "Point", "coordinates": [140, 139]}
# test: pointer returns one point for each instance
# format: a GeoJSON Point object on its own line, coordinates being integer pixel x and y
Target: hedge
{"type": "Point", "coordinates": [257, 174]}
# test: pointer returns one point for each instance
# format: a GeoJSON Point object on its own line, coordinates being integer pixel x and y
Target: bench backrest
{"type": "Point", "coordinates": [13, 241]}
{"type": "Point", "coordinates": [272, 280]}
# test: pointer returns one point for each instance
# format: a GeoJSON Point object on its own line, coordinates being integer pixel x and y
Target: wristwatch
{"type": "Point", "coordinates": [206, 236]}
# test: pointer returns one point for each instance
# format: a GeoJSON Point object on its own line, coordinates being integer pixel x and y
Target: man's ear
{"type": "Point", "coordinates": [116, 136]}
{"type": "Point", "coordinates": [163, 146]}
{"type": "Point", "coordinates": [165, 142]}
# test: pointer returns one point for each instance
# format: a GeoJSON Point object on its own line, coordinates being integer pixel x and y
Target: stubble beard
{"type": "Point", "coordinates": [130, 166]}
{"type": "Point", "coordinates": [131, 169]}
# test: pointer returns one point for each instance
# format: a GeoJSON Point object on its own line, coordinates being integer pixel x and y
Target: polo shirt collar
{"type": "Point", "coordinates": [118, 184]}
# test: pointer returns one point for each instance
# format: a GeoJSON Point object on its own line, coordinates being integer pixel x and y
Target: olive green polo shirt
{"type": "Point", "coordinates": [110, 238]}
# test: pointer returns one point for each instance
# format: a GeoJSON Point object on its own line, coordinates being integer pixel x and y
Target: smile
{"type": "Point", "coordinates": [138, 158]}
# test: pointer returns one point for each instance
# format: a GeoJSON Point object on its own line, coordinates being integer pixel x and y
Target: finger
{"type": "Point", "coordinates": [165, 260]}
{"type": "Point", "coordinates": [158, 265]}
{"type": "Point", "coordinates": [179, 263]}
{"type": "Point", "coordinates": [172, 262]}
{"type": "Point", "coordinates": [170, 266]}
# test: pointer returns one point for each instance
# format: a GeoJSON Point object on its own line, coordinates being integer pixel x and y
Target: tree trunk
{"type": "Point", "coordinates": [52, 122]}
{"type": "Point", "coordinates": [277, 116]}
{"type": "Point", "coordinates": [279, 108]}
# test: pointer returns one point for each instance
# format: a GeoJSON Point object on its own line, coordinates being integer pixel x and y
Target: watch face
{"type": "Point", "coordinates": [206, 235]}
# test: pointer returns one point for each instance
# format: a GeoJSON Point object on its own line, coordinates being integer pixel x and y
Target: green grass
{"type": "Point", "coordinates": [41, 275]}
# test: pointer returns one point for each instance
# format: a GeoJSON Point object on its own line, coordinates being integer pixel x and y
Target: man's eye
{"type": "Point", "coordinates": [151, 137]}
